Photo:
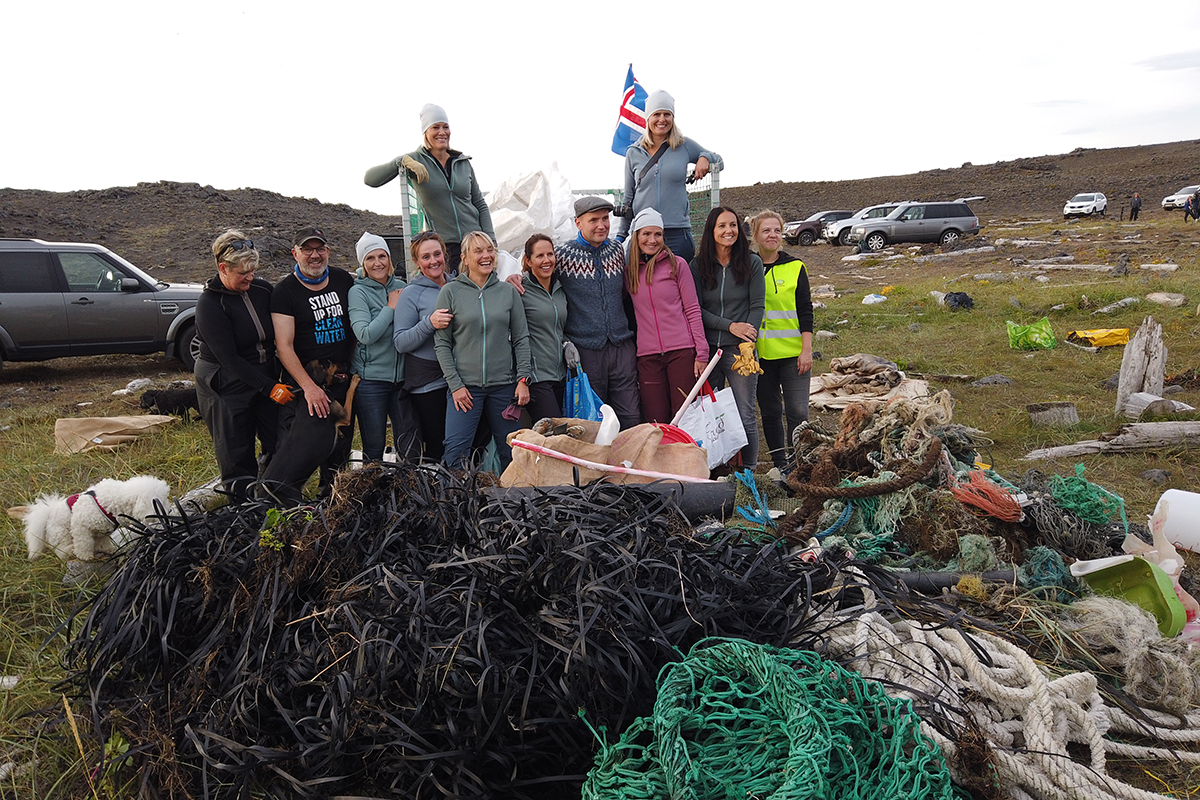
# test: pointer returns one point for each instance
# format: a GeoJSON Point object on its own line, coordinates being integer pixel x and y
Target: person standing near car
{"type": "Point", "coordinates": [310, 312]}
{"type": "Point", "coordinates": [236, 373]}
{"type": "Point", "coordinates": [445, 183]}
{"type": "Point", "coordinates": [656, 172]}
{"type": "Point", "coordinates": [1135, 207]}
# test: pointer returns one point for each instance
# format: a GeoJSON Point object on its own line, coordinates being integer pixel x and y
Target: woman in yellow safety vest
{"type": "Point", "coordinates": [784, 339]}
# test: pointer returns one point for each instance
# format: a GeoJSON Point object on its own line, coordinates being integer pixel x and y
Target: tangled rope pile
{"type": "Point", "coordinates": [415, 638]}
{"type": "Point", "coordinates": [1020, 727]}
{"type": "Point", "coordinates": [734, 719]}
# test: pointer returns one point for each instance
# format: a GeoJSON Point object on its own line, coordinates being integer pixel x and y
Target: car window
{"type": "Point", "coordinates": [27, 273]}
{"type": "Point", "coordinates": [880, 212]}
{"type": "Point", "coordinates": [913, 213]}
{"type": "Point", "coordinates": [87, 272]}
{"type": "Point", "coordinates": [961, 210]}
{"type": "Point", "coordinates": [1081, 198]}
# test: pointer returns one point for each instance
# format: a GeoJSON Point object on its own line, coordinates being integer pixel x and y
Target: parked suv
{"type": "Point", "coordinates": [1085, 205]}
{"type": "Point", "coordinates": [59, 299]}
{"type": "Point", "coordinates": [808, 231]}
{"type": "Point", "coordinates": [918, 222]}
{"type": "Point", "coordinates": [1179, 199]}
{"type": "Point", "coordinates": [838, 232]}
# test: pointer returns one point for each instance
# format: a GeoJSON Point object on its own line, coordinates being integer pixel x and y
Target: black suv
{"type": "Point", "coordinates": [943, 223]}
{"type": "Point", "coordinates": [59, 299]}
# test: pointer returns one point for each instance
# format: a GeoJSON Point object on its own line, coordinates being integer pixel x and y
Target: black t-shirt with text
{"type": "Point", "coordinates": [322, 317]}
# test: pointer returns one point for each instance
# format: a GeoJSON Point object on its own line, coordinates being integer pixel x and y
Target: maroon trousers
{"type": "Point", "coordinates": [664, 379]}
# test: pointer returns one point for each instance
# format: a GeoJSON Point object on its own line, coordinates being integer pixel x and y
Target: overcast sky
{"type": "Point", "coordinates": [301, 97]}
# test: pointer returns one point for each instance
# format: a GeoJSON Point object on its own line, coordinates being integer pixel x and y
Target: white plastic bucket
{"type": "Point", "coordinates": [1182, 524]}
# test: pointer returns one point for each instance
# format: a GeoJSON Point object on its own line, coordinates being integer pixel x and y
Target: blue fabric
{"type": "Point", "coordinates": [631, 123]}
{"type": "Point", "coordinates": [461, 425]}
{"type": "Point", "coordinates": [580, 401]}
{"type": "Point", "coordinates": [680, 241]}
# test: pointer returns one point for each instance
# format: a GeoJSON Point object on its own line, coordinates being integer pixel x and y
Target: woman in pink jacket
{"type": "Point", "coordinates": [671, 348]}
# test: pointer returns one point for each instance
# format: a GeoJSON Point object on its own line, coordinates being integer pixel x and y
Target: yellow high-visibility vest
{"type": "Point", "coordinates": [779, 336]}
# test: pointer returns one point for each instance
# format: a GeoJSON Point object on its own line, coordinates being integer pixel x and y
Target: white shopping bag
{"type": "Point", "coordinates": [712, 419]}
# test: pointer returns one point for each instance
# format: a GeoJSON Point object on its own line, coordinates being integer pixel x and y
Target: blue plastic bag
{"type": "Point", "coordinates": [580, 401]}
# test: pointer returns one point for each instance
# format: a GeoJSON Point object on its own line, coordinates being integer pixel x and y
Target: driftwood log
{"type": "Point", "coordinates": [1052, 415]}
{"type": "Point", "coordinates": [1142, 364]}
{"type": "Point", "coordinates": [1128, 438]}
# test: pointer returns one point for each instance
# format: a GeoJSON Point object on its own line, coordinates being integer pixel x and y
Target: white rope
{"type": "Point", "coordinates": [1029, 720]}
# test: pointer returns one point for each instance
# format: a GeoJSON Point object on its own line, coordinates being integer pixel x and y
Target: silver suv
{"type": "Point", "coordinates": [59, 299]}
{"type": "Point", "coordinates": [943, 223]}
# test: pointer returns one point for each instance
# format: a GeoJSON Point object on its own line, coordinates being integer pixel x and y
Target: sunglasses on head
{"type": "Point", "coordinates": [237, 246]}
{"type": "Point", "coordinates": [424, 236]}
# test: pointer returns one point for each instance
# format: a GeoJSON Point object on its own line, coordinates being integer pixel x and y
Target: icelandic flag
{"type": "Point", "coordinates": [631, 123]}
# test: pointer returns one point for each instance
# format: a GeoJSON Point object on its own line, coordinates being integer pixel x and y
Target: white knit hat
{"type": "Point", "coordinates": [646, 218]}
{"type": "Point", "coordinates": [369, 243]}
{"type": "Point", "coordinates": [659, 101]}
{"type": "Point", "coordinates": [431, 115]}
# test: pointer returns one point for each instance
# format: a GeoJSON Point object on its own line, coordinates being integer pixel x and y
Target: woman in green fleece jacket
{"type": "Point", "coordinates": [444, 181]}
{"type": "Point", "coordinates": [483, 352]}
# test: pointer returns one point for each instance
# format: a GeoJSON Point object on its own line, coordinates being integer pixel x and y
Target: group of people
{"type": "Point", "coordinates": [456, 356]}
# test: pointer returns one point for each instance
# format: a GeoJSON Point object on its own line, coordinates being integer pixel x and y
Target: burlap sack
{"type": "Point", "coordinates": [639, 447]}
{"type": "Point", "coordinates": [80, 434]}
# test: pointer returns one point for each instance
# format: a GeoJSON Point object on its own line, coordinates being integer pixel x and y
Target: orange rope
{"type": "Point", "coordinates": [986, 496]}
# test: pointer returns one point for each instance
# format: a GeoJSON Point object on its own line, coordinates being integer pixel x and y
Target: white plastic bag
{"type": "Point", "coordinates": [712, 419]}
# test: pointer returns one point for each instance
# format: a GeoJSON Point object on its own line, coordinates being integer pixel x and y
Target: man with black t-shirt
{"type": "Point", "coordinates": [310, 312]}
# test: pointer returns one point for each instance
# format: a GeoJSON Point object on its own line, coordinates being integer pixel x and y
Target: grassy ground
{"type": "Point", "coordinates": [909, 328]}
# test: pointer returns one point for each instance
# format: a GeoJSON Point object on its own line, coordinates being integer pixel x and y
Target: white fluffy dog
{"type": "Point", "coordinates": [81, 526]}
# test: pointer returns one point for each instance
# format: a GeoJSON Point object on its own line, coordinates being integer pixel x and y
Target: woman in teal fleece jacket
{"type": "Point", "coordinates": [545, 302]}
{"type": "Point", "coordinates": [380, 395]}
{"type": "Point", "coordinates": [483, 352]}
{"type": "Point", "coordinates": [732, 290]}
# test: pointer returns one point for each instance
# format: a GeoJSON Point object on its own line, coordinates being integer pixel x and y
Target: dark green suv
{"type": "Point", "coordinates": [60, 299]}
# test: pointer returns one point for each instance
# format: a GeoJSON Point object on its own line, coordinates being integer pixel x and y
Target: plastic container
{"type": "Point", "coordinates": [1182, 524]}
{"type": "Point", "coordinates": [1143, 584]}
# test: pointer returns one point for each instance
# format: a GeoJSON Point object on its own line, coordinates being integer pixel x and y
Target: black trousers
{"type": "Point", "coordinates": [238, 417]}
{"type": "Point", "coordinates": [306, 443]}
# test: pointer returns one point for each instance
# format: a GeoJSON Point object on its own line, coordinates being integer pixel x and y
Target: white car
{"type": "Point", "coordinates": [838, 231]}
{"type": "Point", "coordinates": [1178, 199]}
{"type": "Point", "coordinates": [1085, 205]}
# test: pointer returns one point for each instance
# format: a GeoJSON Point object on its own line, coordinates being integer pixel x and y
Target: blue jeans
{"type": "Point", "coordinates": [781, 378]}
{"type": "Point", "coordinates": [375, 402]}
{"type": "Point", "coordinates": [681, 242]}
{"type": "Point", "coordinates": [744, 394]}
{"type": "Point", "coordinates": [461, 425]}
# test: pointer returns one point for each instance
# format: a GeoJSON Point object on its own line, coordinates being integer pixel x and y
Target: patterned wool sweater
{"type": "Point", "coordinates": [594, 280]}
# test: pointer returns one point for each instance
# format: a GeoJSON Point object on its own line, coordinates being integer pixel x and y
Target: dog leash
{"type": "Point", "coordinates": [75, 497]}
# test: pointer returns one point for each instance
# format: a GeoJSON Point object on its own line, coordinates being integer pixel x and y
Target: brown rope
{"type": "Point", "coordinates": [801, 524]}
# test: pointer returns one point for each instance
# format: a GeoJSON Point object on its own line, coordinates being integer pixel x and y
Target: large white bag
{"type": "Point", "coordinates": [712, 419]}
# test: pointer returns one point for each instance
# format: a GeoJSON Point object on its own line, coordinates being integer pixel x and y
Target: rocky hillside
{"type": "Point", "coordinates": [1027, 186]}
{"type": "Point", "coordinates": [169, 226]}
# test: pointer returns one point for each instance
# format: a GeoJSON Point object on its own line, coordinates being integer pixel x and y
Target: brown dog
{"type": "Point", "coordinates": [324, 373]}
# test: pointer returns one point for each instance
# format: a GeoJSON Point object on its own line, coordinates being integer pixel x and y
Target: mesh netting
{"type": "Point", "coordinates": [735, 719]}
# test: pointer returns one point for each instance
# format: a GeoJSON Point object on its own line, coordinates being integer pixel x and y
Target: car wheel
{"type": "Point", "coordinates": [876, 242]}
{"type": "Point", "coordinates": [188, 347]}
{"type": "Point", "coordinates": [806, 238]}
{"type": "Point", "coordinates": [843, 238]}
{"type": "Point", "coordinates": [948, 237]}
{"type": "Point", "coordinates": [1103, 211]}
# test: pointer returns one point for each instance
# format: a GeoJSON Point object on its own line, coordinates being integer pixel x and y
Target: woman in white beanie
{"type": "Point", "coordinates": [658, 180]}
{"type": "Point", "coordinates": [444, 181]}
{"type": "Point", "coordinates": [380, 395]}
{"type": "Point", "coordinates": [671, 348]}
